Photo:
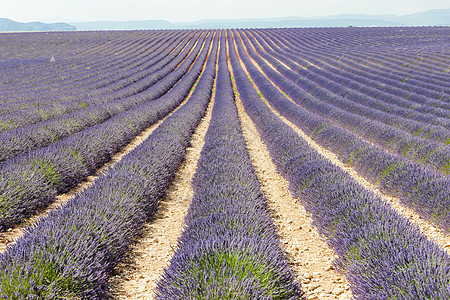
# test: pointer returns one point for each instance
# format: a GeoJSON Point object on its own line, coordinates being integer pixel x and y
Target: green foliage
{"type": "Point", "coordinates": [48, 170]}
{"type": "Point", "coordinates": [237, 265]}
{"type": "Point", "coordinates": [18, 283]}
{"type": "Point", "coordinates": [193, 87]}
{"type": "Point", "coordinates": [386, 172]}
{"type": "Point", "coordinates": [5, 125]}
{"type": "Point", "coordinates": [43, 114]}
{"type": "Point", "coordinates": [446, 168]}
{"type": "Point", "coordinates": [357, 153]}
{"type": "Point", "coordinates": [405, 150]}
{"type": "Point", "coordinates": [321, 127]}
{"type": "Point", "coordinates": [84, 104]}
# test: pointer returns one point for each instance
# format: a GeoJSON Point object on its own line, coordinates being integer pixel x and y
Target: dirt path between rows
{"type": "Point", "coordinates": [137, 275]}
{"type": "Point", "coordinates": [9, 237]}
{"type": "Point", "coordinates": [426, 227]}
{"type": "Point", "coordinates": [308, 254]}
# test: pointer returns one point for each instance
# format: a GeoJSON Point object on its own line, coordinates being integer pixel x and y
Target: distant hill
{"type": "Point", "coordinates": [436, 17]}
{"type": "Point", "coordinates": [290, 22]}
{"type": "Point", "coordinates": [10, 25]}
{"type": "Point", "coordinates": [123, 25]}
{"type": "Point", "coordinates": [433, 17]}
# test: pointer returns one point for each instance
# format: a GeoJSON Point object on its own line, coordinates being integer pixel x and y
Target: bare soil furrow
{"type": "Point", "coordinates": [137, 275]}
{"type": "Point", "coordinates": [9, 237]}
{"type": "Point", "coordinates": [308, 254]}
{"type": "Point", "coordinates": [426, 227]}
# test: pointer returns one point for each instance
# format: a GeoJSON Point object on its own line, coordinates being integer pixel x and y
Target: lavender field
{"type": "Point", "coordinates": [97, 127]}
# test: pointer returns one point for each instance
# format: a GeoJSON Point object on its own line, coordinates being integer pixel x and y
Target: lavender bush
{"type": "Point", "coordinates": [229, 248]}
{"type": "Point", "coordinates": [72, 252]}
{"type": "Point", "coordinates": [398, 137]}
{"type": "Point", "coordinates": [424, 190]}
{"type": "Point", "coordinates": [127, 87]}
{"type": "Point", "coordinates": [382, 254]}
{"type": "Point", "coordinates": [30, 182]}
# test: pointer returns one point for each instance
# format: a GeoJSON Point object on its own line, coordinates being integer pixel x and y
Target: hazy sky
{"type": "Point", "coordinates": [192, 10]}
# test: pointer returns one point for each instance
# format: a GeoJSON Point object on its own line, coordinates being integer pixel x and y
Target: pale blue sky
{"type": "Point", "coordinates": [192, 10]}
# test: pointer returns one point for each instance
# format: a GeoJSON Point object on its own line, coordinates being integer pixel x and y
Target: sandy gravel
{"type": "Point", "coordinates": [426, 227]}
{"type": "Point", "coordinates": [309, 255]}
{"type": "Point", "coordinates": [9, 237]}
{"type": "Point", "coordinates": [137, 276]}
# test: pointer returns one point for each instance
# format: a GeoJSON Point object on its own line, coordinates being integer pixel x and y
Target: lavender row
{"type": "Point", "coordinates": [434, 102]}
{"type": "Point", "coordinates": [73, 251]}
{"type": "Point", "coordinates": [340, 58]}
{"type": "Point", "coordinates": [48, 101]}
{"type": "Point", "coordinates": [360, 62]}
{"type": "Point", "coordinates": [429, 153]}
{"type": "Point", "coordinates": [133, 53]}
{"type": "Point", "coordinates": [434, 99]}
{"type": "Point", "coordinates": [229, 248]}
{"type": "Point", "coordinates": [405, 59]}
{"type": "Point", "coordinates": [377, 106]}
{"type": "Point", "coordinates": [340, 61]}
{"type": "Point", "coordinates": [398, 51]}
{"type": "Point", "coordinates": [382, 254]}
{"type": "Point", "coordinates": [391, 104]}
{"type": "Point", "coordinates": [376, 61]}
{"type": "Point", "coordinates": [387, 82]}
{"type": "Point", "coordinates": [107, 69]}
{"type": "Point", "coordinates": [31, 181]}
{"type": "Point", "coordinates": [165, 52]}
{"type": "Point", "coordinates": [65, 66]}
{"type": "Point", "coordinates": [97, 56]}
{"type": "Point", "coordinates": [88, 68]}
{"type": "Point", "coordinates": [344, 97]}
{"type": "Point", "coordinates": [159, 70]}
{"type": "Point", "coordinates": [426, 191]}
{"type": "Point", "coordinates": [39, 135]}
